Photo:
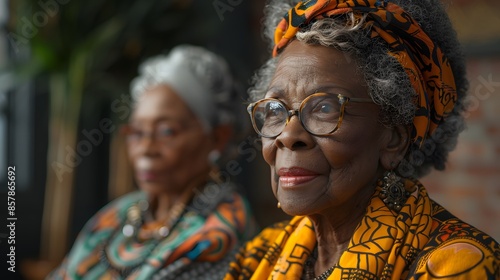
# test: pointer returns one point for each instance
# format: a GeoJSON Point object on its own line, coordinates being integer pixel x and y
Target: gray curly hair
{"type": "Point", "coordinates": [388, 83]}
{"type": "Point", "coordinates": [201, 78]}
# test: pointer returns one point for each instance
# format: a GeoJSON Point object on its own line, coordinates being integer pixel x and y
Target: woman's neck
{"type": "Point", "coordinates": [334, 230]}
{"type": "Point", "coordinates": [332, 241]}
{"type": "Point", "coordinates": [161, 204]}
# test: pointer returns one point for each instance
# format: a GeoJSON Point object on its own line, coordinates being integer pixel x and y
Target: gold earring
{"type": "Point", "coordinates": [278, 205]}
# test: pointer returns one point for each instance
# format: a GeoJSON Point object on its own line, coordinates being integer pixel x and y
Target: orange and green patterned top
{"type": "Point", "coordinates": [200, 245]}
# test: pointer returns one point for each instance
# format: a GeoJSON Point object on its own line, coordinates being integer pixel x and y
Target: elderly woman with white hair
{"type": "Point", "coordinates": [184, 221]}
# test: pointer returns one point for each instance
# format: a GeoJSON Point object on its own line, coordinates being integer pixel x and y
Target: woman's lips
{"type": "Point", "coordinates": [289, 177]}
{"type": "Point", "coordinates": [147, 175]}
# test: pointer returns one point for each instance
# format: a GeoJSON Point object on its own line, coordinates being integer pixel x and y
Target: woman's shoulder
{"type": "Point", "coordinates": [122, 202]}
{"type": "Point", "coordinates": [263, 246]}
{"type": "Point", "coordinates": [267, 237]}
{"type": "Point", "coordinates": [271, 232]}
{"type": "Point", "coordinates": [447, 227]}
{"type": "Point", "coordinates": [457, 249]}
{"type": "Point", "coordinates": [114, 211]}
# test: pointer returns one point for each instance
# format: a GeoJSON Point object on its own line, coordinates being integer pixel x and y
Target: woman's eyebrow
{"type": "Point", "coordinates": [330, 86]}
{"type": "Point", "coordinates": [275, 92]}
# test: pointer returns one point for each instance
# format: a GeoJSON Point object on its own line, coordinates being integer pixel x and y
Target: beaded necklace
{"type": "Point", "coordinates": [136, 214]}
{"type": "Point", "coordinates": [195, 202]}
{"type": "Point", "coordinates": [309, 268]}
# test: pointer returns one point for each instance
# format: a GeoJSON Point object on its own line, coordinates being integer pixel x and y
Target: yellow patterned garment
{"type": "Point", "coordinates": [422, 241]}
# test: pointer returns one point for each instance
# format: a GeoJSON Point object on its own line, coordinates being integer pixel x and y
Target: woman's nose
{"type": "Point", "coordinates": [294, 136]}
{"type": "Point", "coordinates": [147, 144]}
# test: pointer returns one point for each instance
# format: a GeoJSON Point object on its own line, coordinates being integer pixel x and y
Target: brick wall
{"type": "Point", "coordinates": [470, 185]}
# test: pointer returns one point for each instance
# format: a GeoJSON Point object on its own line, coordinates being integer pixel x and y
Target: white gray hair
{"type": "Point", "coordinates": [201, 78]}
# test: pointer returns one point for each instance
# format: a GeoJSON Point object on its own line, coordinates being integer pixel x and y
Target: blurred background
{"type": "Point", "coordinates": [65, 68]}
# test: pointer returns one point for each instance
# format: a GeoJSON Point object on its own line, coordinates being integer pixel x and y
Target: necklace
{"type": "Point", "coordinates": [136, 214]}
{"type": "Point", "coordinates": [131, 227]}
{"type": "Point", "coordinates": [325, 274]}
{"type": "Point", "coordinates": [309, 268]}
{"type": "Point", "coordinates": [194, 202]}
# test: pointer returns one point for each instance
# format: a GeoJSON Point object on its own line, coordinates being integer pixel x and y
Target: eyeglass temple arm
{"type": "Point", "coordinates": [362, 100]}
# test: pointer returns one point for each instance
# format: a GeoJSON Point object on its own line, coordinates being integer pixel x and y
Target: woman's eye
{"type": "Point", "coordinates": [134, 134]}
{"type": "Point", "coordinates": [137, 134]}
{"type": "Point", "coordinates": [326, 108]}
{"type": "Point", "coordinates": [165, 132]}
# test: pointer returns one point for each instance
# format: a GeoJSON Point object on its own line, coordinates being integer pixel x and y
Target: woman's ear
{"type": "Point", "coordinates": [395, 143]}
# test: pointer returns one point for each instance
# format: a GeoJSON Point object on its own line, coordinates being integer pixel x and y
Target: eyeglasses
{"type": "Point", "coordinates": [163, 133]}
{"type": "Point", "coordinates": [321, 114]}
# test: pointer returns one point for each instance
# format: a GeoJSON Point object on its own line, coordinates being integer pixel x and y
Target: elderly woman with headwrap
{"type": "Point", "coordinates": [360, 99]}
{"type": "Point", "coordinates": [184, 221]}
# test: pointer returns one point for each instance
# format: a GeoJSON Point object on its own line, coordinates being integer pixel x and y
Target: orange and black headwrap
{"type": "Point", "coordinates": [425, 64]}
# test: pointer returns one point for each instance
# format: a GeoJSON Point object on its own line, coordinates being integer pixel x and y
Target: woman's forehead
{"type": "Point", "coordinates": [305, 69]}
{"type": "Point", "coordinates": [161, 102]}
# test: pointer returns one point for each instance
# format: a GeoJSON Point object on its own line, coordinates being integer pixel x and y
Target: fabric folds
{"type": "Point", "coordinates": [422, 241]}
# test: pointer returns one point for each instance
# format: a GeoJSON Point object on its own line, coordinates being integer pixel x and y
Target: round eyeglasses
{"type": "Point", "coordinates": [163, 132]}
{"type": "Point", "coordinates": [321, 114]}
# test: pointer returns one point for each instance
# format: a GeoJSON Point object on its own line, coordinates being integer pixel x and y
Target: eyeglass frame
{"type": "Point", "coordinates": [343, 100]}
{"type": "Point", "coordinates": [153, 134]}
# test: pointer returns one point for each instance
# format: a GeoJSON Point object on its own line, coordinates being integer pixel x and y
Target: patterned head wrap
{"type": "Point", "coordinates": [425, 64]}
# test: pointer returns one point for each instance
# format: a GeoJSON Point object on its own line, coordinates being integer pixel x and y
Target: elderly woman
{"type": "Point", "coordinates": [184, 222]}
{"type": "Point", "coordinates": [360, 100]}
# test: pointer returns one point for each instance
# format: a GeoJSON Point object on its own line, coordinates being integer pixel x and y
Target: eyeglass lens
{"type": "Point", "coordinates": [318, 114]}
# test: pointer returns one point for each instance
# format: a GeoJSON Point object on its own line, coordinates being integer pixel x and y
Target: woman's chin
{"type": "Point", "coordinates": [293, 211]}
{"type": "Point", "coordinates": [152, 188]}
{"type": "Point", "coordinates": [296, 207]}
{"type": "Point", "coordinates": [155, 188]}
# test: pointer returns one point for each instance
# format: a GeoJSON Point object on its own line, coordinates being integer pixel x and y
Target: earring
{"type": "Point", "coordinates": [214, 174]}
{"type": "Point", "coordinates": [393, 191]}
{"type": "Point", "coordinates": [278, 205]}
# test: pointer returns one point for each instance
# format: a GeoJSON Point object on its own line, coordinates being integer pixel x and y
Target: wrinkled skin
{"type": "Point", "coordinates": [328, 178]}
